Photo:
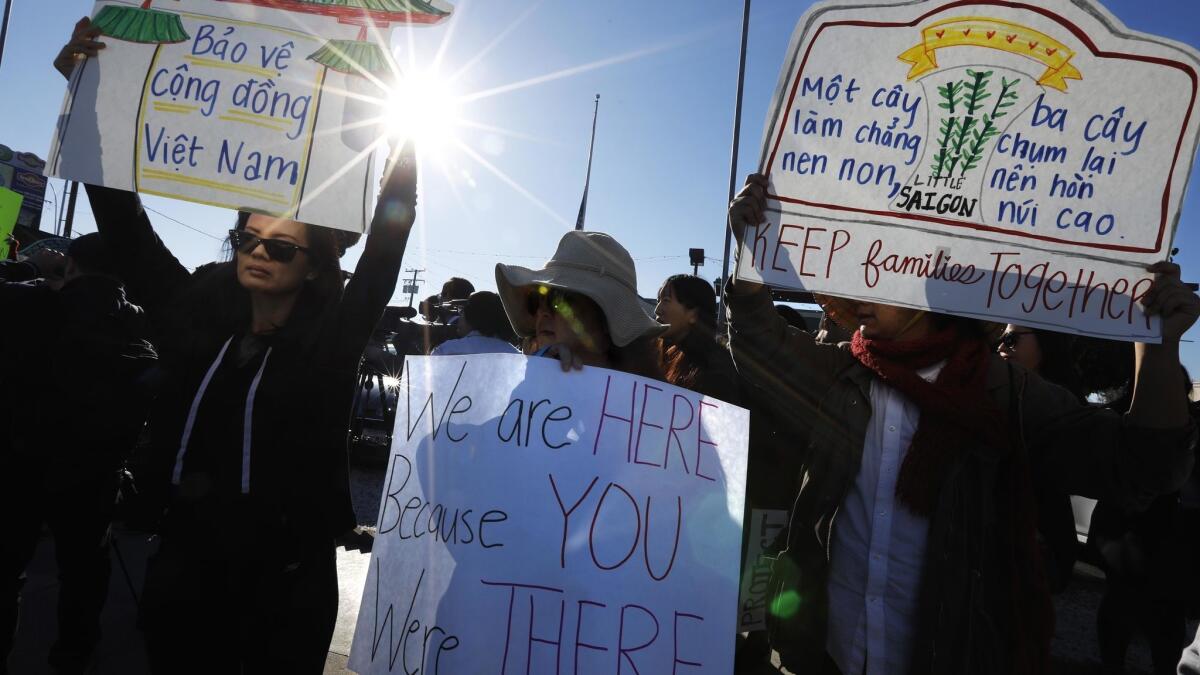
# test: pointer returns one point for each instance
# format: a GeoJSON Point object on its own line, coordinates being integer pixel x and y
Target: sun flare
{"type": "Point", "coordinates": [422, 107]}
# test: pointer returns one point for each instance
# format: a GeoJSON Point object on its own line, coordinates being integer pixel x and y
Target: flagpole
{"type": "Point", "coordinates": [587, 181]}
{"type": "Point", "coordinates": [733, 160]}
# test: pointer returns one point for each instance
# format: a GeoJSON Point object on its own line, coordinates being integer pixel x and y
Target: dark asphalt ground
{"type": "Point", "coordinates": [121, 651]}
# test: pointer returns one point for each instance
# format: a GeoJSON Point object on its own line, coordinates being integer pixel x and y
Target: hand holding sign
{"type": "Point", "coordinates": [1176, 304]}
{"type": "Point", "coordinates": [83, 43]}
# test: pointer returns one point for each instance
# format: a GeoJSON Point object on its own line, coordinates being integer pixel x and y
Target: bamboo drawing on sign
{"type": "Point", "coordinates": [962, 141]}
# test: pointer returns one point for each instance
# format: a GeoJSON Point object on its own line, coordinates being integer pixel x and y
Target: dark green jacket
{"type": "Point", "coordinates": [824, 393]}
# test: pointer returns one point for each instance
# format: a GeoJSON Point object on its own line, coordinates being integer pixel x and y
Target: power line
{"type": "Point", "coordinates": [180, 222]}
{"type": "Point", "coordinates": [485, 253]}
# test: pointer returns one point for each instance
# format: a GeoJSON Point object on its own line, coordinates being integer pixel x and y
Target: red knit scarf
{"type": "Point", "coordinates": [955, 408]}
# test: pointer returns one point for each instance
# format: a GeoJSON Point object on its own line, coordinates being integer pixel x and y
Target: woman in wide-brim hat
{"type": "Point", "coordinates": [583, 306]}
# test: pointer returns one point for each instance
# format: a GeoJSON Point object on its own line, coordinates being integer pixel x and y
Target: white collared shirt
{"type": "Point", "coordinates": [473, 343]}
{"type": "Point", "coordinates": [878, 548]}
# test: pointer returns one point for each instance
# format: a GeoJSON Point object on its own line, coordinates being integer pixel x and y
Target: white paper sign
{"type": "Point", "coordinates": [542, 522]}
{"type": "Point", "coordinates": [235, 103]}
{"type": "Point", "coordinates": [1021, 162]}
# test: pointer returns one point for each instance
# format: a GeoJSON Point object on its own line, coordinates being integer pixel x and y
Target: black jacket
{"type": "Point", "coordinates": [967, 579]}
{"type": "Point", "coordinates": [266, 444]}
{"type": "Point", "coordinates": [74, 395]}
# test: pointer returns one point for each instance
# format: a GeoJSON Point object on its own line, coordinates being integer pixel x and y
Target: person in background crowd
{"type": "Point", "coordinates": [78, 343]}
{"type": "Point", "coordinates": [483, 329]}
{"type": "Point", "coordinates": [1147, 580]}
{"type": "Point", "coordinates": [1053, 357]}
{"type": "Point", "coordinates": [583, 307]}
{"type": "Point", "coordinates": [260, 358]}
{"type": "Point", "coordinates": [429, 309]}
{"type": "Point", "coordinates": [829, 332]}
{"type": "Point", "coordinates": [46, 266]}
{"type": "Point", "coordinates": [456, 288]}
{"type": "Point", "coordinates": [688, 350]}
{"type": "Point", "coordinates": [913, 530]}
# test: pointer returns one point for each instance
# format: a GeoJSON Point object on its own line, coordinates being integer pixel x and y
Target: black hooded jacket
{"type": "Point", "coordinates": [250, 431]}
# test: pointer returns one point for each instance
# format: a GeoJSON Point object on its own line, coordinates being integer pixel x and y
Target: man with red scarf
{"type": "Point", "coordinates": [911, 547]}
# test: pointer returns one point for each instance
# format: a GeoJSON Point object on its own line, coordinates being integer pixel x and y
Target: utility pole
{"type": "Point", "coordinates": [74, 192]}
{"type": "Point", "coordinates": [413, 285]}
{"type": "Point", "coordinates": [4, 27]}
{"type": "Point", "coordinates": [588, 181]}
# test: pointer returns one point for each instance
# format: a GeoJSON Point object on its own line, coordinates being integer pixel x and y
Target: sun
{"type": "Point", "coordinates": [422, 107]}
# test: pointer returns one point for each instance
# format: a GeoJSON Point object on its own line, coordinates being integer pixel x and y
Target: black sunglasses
{"type": "Point", "coordinates": [277, 249]}
{"type": "Point", "coordinates": [1010, 340]}
{"type": "Point", "coordinates": [554, 298]}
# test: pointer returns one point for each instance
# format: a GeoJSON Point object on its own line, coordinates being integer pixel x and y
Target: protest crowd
{"type": "Point", "coordinates": [926, 462]}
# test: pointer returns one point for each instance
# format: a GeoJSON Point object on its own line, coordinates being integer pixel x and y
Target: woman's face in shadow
{"type": "Point", "coordinates": [566, 318]}
{"type": "Point", "coordinates": [1020, 345]}
{"type": "Point", "coordinates": [258, 272]}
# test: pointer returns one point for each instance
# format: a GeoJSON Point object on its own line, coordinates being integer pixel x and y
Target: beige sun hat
{"type": "Point", "coordinates": [592, 264]}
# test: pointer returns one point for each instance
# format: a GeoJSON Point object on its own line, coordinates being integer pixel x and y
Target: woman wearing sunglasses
{"type": "Point", "coordinates": [583, 307]}
{"type": "Point", "coordinates": [1053, 356]}
{"type": "Point", "coordinates": [259, 356]}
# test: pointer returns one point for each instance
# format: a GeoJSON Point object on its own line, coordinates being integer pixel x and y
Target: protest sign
{"type": "Point", "coordinates": [1020, 162]}
{"type": "Point", "coordinates": [764, 526]}
{"type": "Point", "coordinates": [541, 522]}
{"type": "Point", "coordinates": [271, 106]}
{"type": "Point", "coordinates": [10, 208]}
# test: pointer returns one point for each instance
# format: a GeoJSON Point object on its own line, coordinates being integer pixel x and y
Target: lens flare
{"type": "Point", "coordinates": [422, 107]}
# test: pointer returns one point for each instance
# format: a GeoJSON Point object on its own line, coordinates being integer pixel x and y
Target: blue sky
{"type": "Point", "coordinates": [666, 73]}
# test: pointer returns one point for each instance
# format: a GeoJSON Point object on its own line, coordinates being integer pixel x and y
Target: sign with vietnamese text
{"type": "Point", "coordinates": [535, 521]}
{"type": "Point", "coordinates": [1020, 162]}
{"type": "Point", "coordinates": [259, 105]}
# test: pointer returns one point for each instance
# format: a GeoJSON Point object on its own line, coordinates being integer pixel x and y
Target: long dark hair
{"type": "Point", "coordinates": [684, 363]}
{"type": "Point", "coordinates": [637, 358]}
{"type": "Point", "coordinates": [217, 305]}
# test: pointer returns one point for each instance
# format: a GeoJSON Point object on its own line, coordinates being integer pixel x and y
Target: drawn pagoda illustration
{"type": "Point", "coordinates": [140, 24]}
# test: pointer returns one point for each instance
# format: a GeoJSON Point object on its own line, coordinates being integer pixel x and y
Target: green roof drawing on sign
{"type": "Point", "coordinates": [140, 24]}
{"type": "Point", "coordinates": [353, 57]}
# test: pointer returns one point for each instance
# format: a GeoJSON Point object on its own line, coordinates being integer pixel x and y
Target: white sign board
{"type": "Point", "coordinates": [541, 522]}
{"type": "Point", "coordinates": [1020, 162]}
{"type": "Point", "coordinates": [255, 105]}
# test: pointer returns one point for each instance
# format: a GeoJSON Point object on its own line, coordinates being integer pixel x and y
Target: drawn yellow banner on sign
{"type": "Point", "coordinates": [978, 31]}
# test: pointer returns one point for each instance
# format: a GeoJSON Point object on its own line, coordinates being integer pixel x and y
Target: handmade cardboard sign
{"type": "Point", "coordinates": [540, 522]}
{"type": "Point", "coordinates": [764, 526]}
{"type": "Point", "coordinates": [271, 106]}
{"type": "Point", "coordinates": [1020, 162]}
